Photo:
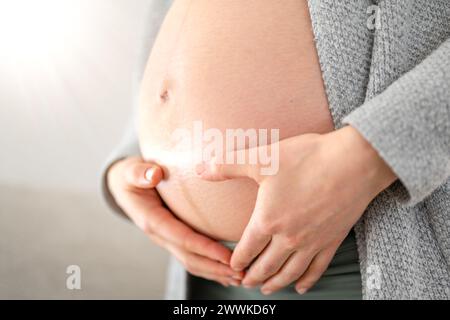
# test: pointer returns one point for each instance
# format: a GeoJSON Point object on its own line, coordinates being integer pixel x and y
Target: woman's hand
{"type": "Point", "coordinates": [304, 212]}
{"type": "Point", "coordinates": [132, 183]}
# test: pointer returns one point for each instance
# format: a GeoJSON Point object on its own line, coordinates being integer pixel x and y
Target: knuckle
{"type": "Point", "coordinates": [290, 276]}
{"type": "Point", "coordinates": [267, 227]}
{"type": "Point", "coordinates": [247, 257]}
{"type": "Point", "coordinates": [267, 269]}
{"type": "Point", "coordinates": [240, 264]}
{"type": "Point", "coordinates": [292, 242]}
{"type": "Point", "coordinates": [314, 270]}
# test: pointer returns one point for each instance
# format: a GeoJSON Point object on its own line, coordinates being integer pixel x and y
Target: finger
{"type": "Point", "coordinates": [234, 279]}
{"type": "Point", "coordinates": [161, 221]}
{"type": "Point", "coordinates": [236, 164]}
{"type": "Point", "coordinates": [143, 175]}
{"type": "Point", "coordinates": [181, 256]}
{"type": "Point", "coordinates": [317, 267]}
{"type": "Point", "coordinates": [225, 281]}
{"type": "Point", "coordinates": [268, 263]}
{"type": "Point", "coordinates": [255, 238]}
{"type": "Point", "coordinates": [291, 271]}
{"type": "Point", "coordinates": [249, 247]}
{"type": "Point", "coordinates": [202, 266]}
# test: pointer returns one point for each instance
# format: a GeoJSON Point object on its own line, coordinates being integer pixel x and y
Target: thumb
{"type": "Point", "coordinates": [215, 170]}
{"type": "Point", "coordinates": [143, 175]}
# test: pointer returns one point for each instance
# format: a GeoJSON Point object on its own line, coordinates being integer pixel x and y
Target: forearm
{"type": "Point", "coordinates": [409, 125]}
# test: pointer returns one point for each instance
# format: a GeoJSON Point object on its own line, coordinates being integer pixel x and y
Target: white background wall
{"type": "Point", "coordinates": [60, 115]}
{"type": "Point", "coordinates": [62, 110]}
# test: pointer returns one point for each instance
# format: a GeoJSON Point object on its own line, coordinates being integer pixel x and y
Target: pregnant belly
{"type": "Point", "coordinates": [229, 64]}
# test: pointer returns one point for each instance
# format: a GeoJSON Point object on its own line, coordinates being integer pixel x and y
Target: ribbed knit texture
{"type": "Point", "coordinates": [393, 85]}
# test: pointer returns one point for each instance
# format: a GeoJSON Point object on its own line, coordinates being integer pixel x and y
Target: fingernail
{"type": "Point", "coordinates": [266, 291]}
{"type": "Point", "coordinates": [235, 283]}
{"type": "Point", "coordinates": [149, 174]}
{"type": "Point", "coordinates": [301, 290]}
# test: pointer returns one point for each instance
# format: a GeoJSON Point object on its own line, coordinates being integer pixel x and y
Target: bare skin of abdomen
{"type": "Point", "coordinates": [231, 64]}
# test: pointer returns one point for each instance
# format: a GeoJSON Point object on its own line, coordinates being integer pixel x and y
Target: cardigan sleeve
{"type": "Point", "coordinates": [409, 125]}
{"type": "Point", "coordinates": [128, 147]}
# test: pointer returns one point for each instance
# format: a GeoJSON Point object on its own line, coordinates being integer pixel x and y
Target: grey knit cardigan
{"type": "Point", "coordinates": [386, 69]}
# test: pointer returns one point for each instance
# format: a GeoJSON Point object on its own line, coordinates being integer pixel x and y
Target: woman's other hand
{"type": "Point", "coordinates": [305, 210]}
{"type": "Point", "coordinates": [132, 183]}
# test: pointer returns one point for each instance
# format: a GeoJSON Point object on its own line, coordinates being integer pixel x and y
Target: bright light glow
{"type": "Point", "coordinates": [33, 30]}
{"type": "Point", "coordinates": [65, 73]}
